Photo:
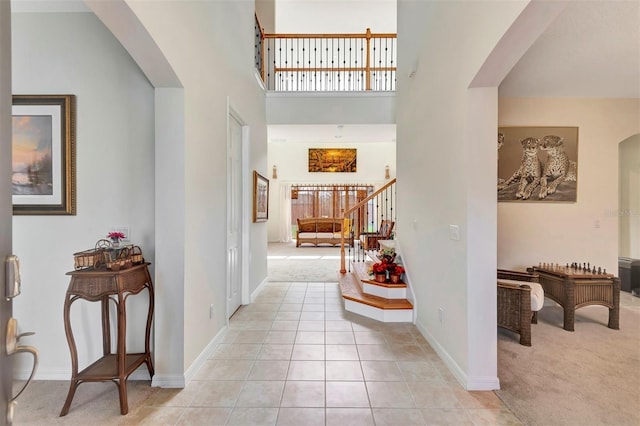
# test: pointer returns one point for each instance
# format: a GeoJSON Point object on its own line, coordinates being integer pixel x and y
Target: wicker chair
{"type": "Point", "coordinates": [514, 302]}
{"type": "Point", "coordinates": [369, 240]}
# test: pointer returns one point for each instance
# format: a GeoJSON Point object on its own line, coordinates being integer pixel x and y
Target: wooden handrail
{"type": "Point", "coordinates": [369, 198]}
{"type": "Point", "coordinates": [373, 60]}
{"type": "Point", "coordinates": [343, 265]}
{"type": "Point", "coordinates": [343, 69]}
{"type": "Point", "coordinates": [363, 35]}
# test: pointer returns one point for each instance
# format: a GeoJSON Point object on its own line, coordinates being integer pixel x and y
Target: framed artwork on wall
{"type": "Point", "coordinates": [43, 178]}
{"type": "Point", "coordinates": [260, 197]}
{"type": "Point", "coordinates": [332, 160]}
{"type": "Point", "coordinates": [537, 164]}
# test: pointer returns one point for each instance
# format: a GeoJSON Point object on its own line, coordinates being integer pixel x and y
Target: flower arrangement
{"type": "Point", "coordinates": [116, 236]}
{"type": "Point", "coordinates": [380, 268]}
{"type": "Point", "coordinates": [397, 270]}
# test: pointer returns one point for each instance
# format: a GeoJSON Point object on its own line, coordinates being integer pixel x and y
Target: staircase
{"type": "Point", "coordinates": [385, 302]}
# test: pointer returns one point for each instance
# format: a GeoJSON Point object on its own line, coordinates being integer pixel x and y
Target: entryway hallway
{"type": "Point", "coordinates": [293, 357]}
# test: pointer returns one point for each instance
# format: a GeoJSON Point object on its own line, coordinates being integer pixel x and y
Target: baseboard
{"type": "Point", "coordinates": [140, 374]}
{"type": "Point", "coordinates": [257, 291]}
{"type": "Point", "coordinates": [204, 355]}
{"type": "Point", "coordinates": [469, 383]}
{"type": "Point", "coordinates": [43, 375]}
{"type": "Point", "coordinates": [168, 381]}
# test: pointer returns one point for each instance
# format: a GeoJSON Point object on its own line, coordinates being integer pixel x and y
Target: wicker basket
{"type": "Point", "coordinates": [104, 255]}
{"type": "Point", "coordinates": [88, 259]}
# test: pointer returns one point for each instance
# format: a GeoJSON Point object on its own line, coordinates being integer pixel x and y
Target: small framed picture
{"type": "Point", "coordinates": [260, 197]}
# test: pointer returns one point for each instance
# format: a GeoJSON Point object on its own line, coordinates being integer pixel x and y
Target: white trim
{"type": "Point", "coordinates": [247, 211]}
{"type": "Point", "coordinates": [411, 296]}
{"type": "Point", "coordinates": [178, 381]}
{"type": "Point", "coordinates": [259, 289]}
{"type": "Point", "coordinates": [383, 315]}
{"type": "Point", "coordinates": [386, 292]}
{"type": "Point", "coordinates": [141, 374]}
{"type": "Point", "coordinates": [469, 383]}
{"type": "Point", "coordinates": [168, 381]}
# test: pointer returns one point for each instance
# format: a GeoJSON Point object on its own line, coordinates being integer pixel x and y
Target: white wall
{"type": "Point", "coordinates": [211, 52]}
{"type": "Point", "coordinates": [59, 53]}
{"type": "Point", "coordinates": [335, 16]}
{"type": "Point", "coordinates": [331, 108]}
{"type": "Point", "coordinates": [443, 157]}
{"type": "Point", "coordinates": [292, 160]}
{"type": "Point", "coordinates": [629, 200]}
{"type": "Point", "coordinates": [585, 231]}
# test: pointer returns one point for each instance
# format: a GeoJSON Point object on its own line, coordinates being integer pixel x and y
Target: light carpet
{"type": "Point", "coordinates": [286, 262]}
{"type": "Point", "coordinates": [587, 377]}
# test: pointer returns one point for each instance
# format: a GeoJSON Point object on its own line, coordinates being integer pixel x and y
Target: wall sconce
{"type": "Point", "coordinates": [275, 172]}
{"type": "Point", "coordinates": [386, 172]}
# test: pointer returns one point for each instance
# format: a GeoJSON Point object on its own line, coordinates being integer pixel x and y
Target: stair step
{"type": "Point", "coordinates": [352, 290]}
{"type": "Point", "coordinates": [361, 269]}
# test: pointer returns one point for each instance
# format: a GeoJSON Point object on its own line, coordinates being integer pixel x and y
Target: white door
{"type": "Point", "coordinates": [6, 365]}
{"type": "Point", "coordinates": [234, 215]}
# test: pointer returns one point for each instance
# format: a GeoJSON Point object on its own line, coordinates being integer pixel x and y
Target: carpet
{"type": "Point", "coordinates": [587, 377]}
{"type": "Point", "coordinates": [286, 262]}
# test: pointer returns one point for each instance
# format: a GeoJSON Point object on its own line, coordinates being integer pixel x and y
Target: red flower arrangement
{"type": "Point", "coordinates": [380, 268]}
{"type": "Point", "coordinates": [397, 270]}
{"type": "Point", "coordinates": [116, 236]}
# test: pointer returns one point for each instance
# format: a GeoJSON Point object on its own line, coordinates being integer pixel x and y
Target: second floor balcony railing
{"type": "Point", "coordinates": [327, 62]}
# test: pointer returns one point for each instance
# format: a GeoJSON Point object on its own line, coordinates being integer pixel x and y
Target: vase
{"type": "Point", "coordinates": [395, 278]}
{"type": "Point", "coordinates": [115, 242]}
{"type": "Point", "coordinates": [381, 278]}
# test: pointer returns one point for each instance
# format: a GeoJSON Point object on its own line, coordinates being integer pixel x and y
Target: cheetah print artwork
{"type": "Point", "coordinates": [537, 164]}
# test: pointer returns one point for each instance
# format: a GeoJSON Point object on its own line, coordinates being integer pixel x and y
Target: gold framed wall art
{"type": "Point", "coordinates": [43, 178]}
{"type": "Point", "coordinates": [260, 197]}
{"type": "Point", "coordinates": [333, 160]}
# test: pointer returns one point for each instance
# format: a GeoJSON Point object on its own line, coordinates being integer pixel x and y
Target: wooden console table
{"type": "Point", "coordinates": [101, 285]}
{"type": "Point", "coordinates": [574, 288]}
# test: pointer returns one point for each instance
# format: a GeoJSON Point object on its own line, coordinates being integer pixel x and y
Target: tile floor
{"type": "Point", "coordinates": [295, 357]}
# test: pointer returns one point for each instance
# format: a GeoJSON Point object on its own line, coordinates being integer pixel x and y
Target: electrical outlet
{"type": "Point", "coordinates": [441, 315]}
{"type": "Point", "coordinates": [210, 311]}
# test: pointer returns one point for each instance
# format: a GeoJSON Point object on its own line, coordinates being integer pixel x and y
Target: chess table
{"type": "Point", "coordinates": [573, 288]}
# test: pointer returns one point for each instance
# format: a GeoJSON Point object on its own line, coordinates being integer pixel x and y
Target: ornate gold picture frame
{"type": "Point", "coordinates": [260, 197]}
{"type": "Point", "coordinates": [43, 178]}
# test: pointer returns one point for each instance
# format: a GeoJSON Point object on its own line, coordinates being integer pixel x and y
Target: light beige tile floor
{"type": "Point", "coordinates": [294, 357]}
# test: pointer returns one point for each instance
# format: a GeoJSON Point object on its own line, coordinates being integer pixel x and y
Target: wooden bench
{"type": "Point", "coordinates": [321, 230]}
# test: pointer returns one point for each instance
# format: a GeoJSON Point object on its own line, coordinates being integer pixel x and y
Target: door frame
{"type": "Point", "coordinates": [246, 201]}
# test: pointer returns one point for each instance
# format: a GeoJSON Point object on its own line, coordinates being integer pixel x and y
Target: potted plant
{"type": "Point", "coordinates": [380, 271]}
{"type": "Point", "coordinates": [115, 238]}
{"type": "Point", "coordinates": [395, 273]}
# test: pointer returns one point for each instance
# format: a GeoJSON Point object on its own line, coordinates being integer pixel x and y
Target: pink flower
{"type": "Point", "coordinates": [116, 235]}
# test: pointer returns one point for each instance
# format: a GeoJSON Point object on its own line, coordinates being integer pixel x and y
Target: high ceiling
{"type": "Point", "coordinates": [592, 49]}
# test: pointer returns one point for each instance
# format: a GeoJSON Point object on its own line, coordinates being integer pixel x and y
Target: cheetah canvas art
{"type": "Point", "coordinates": [537, 164]}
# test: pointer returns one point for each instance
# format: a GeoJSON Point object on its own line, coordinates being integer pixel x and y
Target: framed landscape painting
{"type": "Point", "coordinates": [43, 178]}
{"type": "Point", "coordinates": [260, 197]}
{"type": "Point", "coordinates": [537, 164]}
{"type": "Point", "coordinates": [334, 160]}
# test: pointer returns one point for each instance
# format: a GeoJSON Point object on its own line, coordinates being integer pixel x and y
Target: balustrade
{"type": "Point", "coordinates": [326, 62]}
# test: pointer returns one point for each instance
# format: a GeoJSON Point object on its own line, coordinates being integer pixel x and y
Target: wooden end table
{"type": "Point", "coordinates": [574, 288]}
{"type": "Point", "coordinates": [101, 285]}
